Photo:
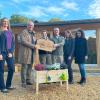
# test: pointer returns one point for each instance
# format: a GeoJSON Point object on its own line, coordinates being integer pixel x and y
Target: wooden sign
{"type": "Point", "coordinates": [45, 45]}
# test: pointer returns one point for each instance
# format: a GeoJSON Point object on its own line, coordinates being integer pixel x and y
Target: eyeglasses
{"type": "Point", "coordinates": [30, 25]}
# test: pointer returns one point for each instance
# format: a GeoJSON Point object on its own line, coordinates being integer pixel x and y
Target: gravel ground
{"type": "Point", "coordinates": [53, 91]}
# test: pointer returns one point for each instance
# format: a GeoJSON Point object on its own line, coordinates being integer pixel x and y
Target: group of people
{"type": "Point", "coordinates": [65, 50]}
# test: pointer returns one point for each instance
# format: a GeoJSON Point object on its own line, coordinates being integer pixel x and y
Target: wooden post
{"type": "Point", "coordinates": [60, 83]}
{"type": "Point", "coordinates": [36, 57]}
{"type": "Point", "coordinates": [37, 83]}
{"type": "Point", "coordinates": [67, 85]}
{"type": "Point", "coordinates": [98, 45]}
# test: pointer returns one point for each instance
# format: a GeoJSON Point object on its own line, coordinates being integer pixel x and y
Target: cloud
{"type": "Point", "coordinates": [16, 1]}
{"type": "Point", "coordinates": [65, 15]}
{"type": "Point", "coordinates": [34, 12]}
{"type": "Point", "coordinates": [55, 10]}
{"type": "Point", "coordinates": [45, 1]}
{"type": "Point", "coordinates": [94, 9]}
{"type": "Point", "coordinates": [19, 1]}
{"type": "Point", "coordinates": [41, 11]}
{"type": "Point", "coordinates": [70, 5]}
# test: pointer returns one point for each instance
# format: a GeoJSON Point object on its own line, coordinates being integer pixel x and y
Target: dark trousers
{"type": "Point", "coordinates": [11, 68]}
{"type": "Point", "coordinates": [70, 72]}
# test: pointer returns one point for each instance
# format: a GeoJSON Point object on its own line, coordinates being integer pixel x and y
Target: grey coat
{"type": "Point", "coordinates": [25, 47]}
{"type": "Point", "coordinates": [59, 50]}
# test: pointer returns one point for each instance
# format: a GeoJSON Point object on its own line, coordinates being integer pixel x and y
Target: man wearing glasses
{"type": "Point", "coordinates": [26, 41]}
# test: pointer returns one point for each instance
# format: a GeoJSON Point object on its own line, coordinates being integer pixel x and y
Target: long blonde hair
{"type": "Point", "coordinates": [68, 31]}
{"type": "Point", "coordinates": [1, 23]}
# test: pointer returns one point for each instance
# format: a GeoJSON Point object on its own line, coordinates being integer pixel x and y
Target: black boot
{"type": "Point", "coordinates": [82, 81]}
{"type": "Point", "coordinates": [70, 81]}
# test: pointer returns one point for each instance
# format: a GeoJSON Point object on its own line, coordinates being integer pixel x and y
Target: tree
{"type": "Point", "coordinates": [15, 18]}
{"type": "Point", "coordinates": [34, 20]}
{"type": "Point", "coordinates": [0, 14]}
{"type": "Point", "coordinates": [54, 20]}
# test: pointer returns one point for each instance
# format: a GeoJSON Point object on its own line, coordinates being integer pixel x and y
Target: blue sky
{"type": "Point", "coordinates": [44, 10]}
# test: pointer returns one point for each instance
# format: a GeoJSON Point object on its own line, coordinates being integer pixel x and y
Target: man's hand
{"type": "Point", "coordinates": [10, 55]}
{"type": "Point", "coordinates": [56, 45]}
{"type": "Point", "coordinates": [1, 57]}
{"type": "Point", "coordinates": [36, 46]}
{"type": "Point", "coordinates": [54, 49]}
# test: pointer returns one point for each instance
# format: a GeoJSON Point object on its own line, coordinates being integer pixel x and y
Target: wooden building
{"type": "Point", "coordinates": [88, 24]}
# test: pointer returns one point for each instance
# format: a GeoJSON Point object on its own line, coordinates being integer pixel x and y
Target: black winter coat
{"type": "Point", "coordinates": [80, 50]}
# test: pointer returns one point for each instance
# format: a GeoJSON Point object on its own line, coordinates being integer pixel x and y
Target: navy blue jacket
{"type": "Point", "coordinates": [3, 43]}
{"type": "Point", "coordinates": [69, 47]}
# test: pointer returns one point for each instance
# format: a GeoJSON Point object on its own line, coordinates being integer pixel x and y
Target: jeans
{"type": "Point", "coordinates": [82, 70]}
{"type": "Point", "coordinates": [11, 69]}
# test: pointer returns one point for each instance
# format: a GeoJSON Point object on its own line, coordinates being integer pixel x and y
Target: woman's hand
{"type": "Point", "coordinates": [69, 58]}
{"type": "Point", "coordinates": [1, 57]}
{"type": "Point", "coordinates": [10, 55]}
{"type": "Point", "coordinates": [86, 57]}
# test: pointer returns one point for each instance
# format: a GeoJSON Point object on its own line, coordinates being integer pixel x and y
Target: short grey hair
{"type": "Point", "coordinates": [56, 28]}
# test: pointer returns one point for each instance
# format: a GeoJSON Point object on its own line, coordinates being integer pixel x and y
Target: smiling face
{"type": "Point", "coordinates": [44, 34]}
{"type": "Point", "coordinates": [79, 34]}
{"type": "Point", "coordinates": [56, 31]}
{"type": "Point", "coordinates": [67, 33]}
{"type": "Point", "coordinates": [30, 26]}
{"type": "Point", "coordinates": [5, 23]}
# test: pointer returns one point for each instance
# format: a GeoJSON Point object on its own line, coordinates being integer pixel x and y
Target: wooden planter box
{"type": "Point", "coordinates": [48, 76]}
